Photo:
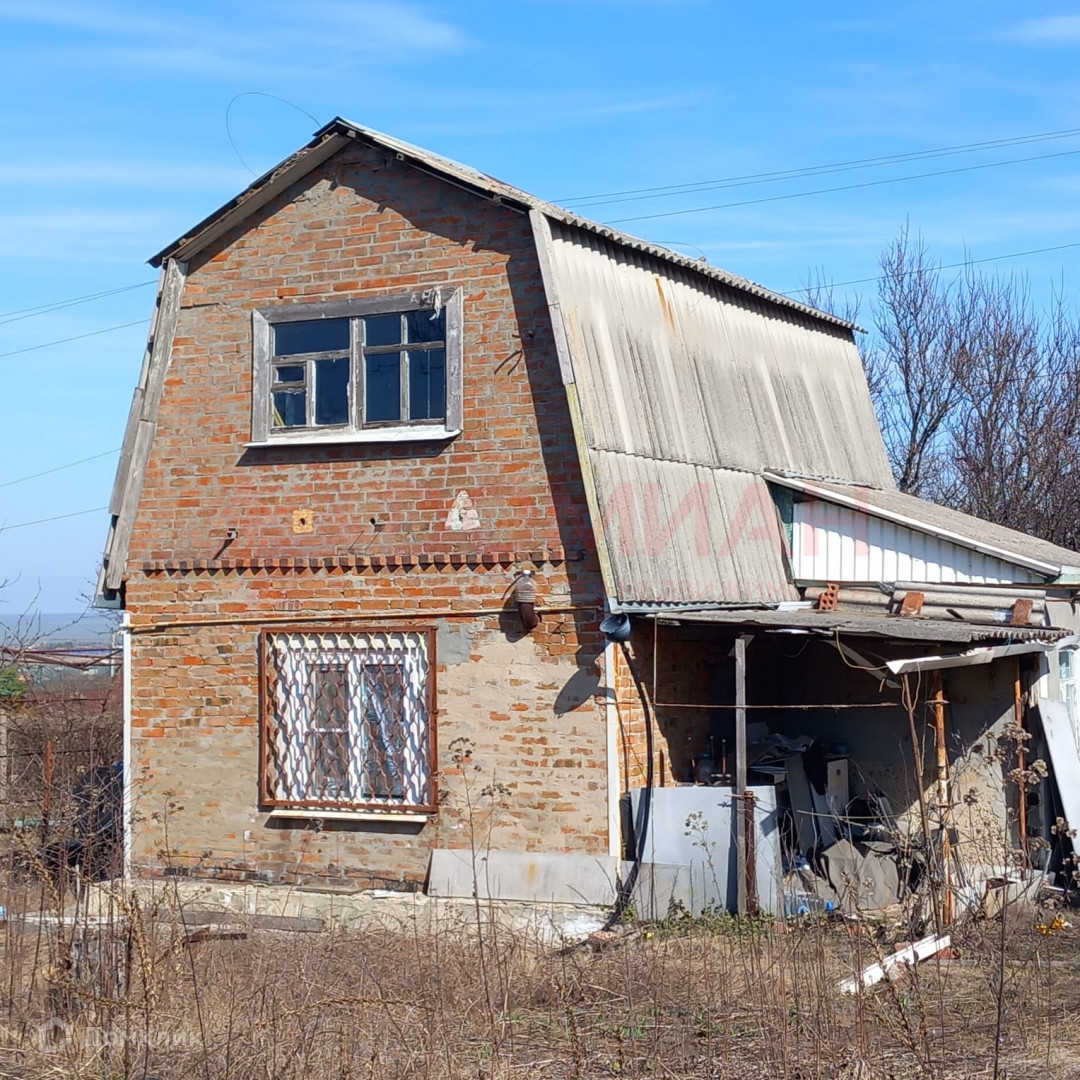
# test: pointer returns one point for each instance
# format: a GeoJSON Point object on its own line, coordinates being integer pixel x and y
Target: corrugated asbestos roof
{"type": "Point", "coordinates": [686, 534]}
{"type": "Point", "coordinates": [972, 532]}
{"type": "Point", "coordinates": [669, 367]}
{"type": "Point", "coordinates": [897, 627]}
{"type": "Point", "coordinates": [687, 393]}
{"type": "Point", "coordinates": [339, 132]}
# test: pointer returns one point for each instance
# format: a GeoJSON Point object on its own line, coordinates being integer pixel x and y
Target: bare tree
{"type": "Point", "coordinates": [977, 392]}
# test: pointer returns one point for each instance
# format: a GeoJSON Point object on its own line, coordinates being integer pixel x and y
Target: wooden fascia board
{"type": "Point", "coordinates": [549, 276]}
{"type": "Point", "coordinates": [142, 423]}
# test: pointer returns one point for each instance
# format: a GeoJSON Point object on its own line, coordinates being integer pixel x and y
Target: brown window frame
{"type": "Point", "coordinates": [269, 795]}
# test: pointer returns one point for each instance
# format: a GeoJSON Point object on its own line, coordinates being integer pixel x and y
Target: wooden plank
{"type": "Point", "coordinates": [123, 465]}
{"type": "Point", "coordinates": [127, 489]}
{"type": "Point", "coordinates": [164, 332]}
{"type": "Point", "coordinates": [455, 409]}
{"type": "Point", "coordinates": [740, 772]}
{"type": "Point", "coordinates": [125, 521]}
{"type": "Point", "coordinates": [887, 968]}
{"type": "Point", "coordinates": [542, 236]}
{"type": "Point", "coordinates": [308, 311]}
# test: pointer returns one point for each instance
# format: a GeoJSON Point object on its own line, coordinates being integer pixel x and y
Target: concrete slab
{"type": "Point", "coordinates": [534, 877]}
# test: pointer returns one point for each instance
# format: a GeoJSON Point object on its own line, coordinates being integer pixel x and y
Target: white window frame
{"type": "Point", "coordinates": [263, 321]}
{"type": "Point", "coordinates": [291, 661]}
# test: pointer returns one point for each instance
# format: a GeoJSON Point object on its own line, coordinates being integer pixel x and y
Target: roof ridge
{"type": "Point", "coordinates": [315, 152]}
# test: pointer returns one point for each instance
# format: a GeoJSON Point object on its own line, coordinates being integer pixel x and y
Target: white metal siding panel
{"type": "Point", "coordinates": [835, 543]}
{"type": "Point", "coordinates": [930, 519]}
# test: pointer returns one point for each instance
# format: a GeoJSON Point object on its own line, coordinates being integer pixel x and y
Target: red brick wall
{"type": "Point", "coordinates": [359, 227]}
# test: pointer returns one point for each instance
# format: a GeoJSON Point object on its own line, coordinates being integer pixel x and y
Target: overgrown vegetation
{"type": "Point", "coordinates": [140, 997]}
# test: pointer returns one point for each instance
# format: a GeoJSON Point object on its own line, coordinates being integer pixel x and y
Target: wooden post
{"type": "Point", "coordinates": [738, 802]}
{"type": "Point", "coordinates": [944, 800]}
{"type": "Point", "coordinates": [1021, 764]}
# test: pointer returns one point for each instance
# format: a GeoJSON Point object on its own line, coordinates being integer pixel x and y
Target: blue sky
{"type": "Point", "coordinates": [113, 126]}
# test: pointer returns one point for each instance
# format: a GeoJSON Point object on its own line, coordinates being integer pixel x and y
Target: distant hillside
{"type": "Point", "coordinates": [91, 628]}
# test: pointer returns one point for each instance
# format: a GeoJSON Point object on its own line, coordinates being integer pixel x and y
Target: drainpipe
{"type": "Point", "coordinates": [125, 632]}
{"type": "Point", "coordinates": [614, 788]}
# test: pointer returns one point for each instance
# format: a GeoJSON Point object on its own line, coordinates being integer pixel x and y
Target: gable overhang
{"type": "Point", "coordinates": [816, 491]}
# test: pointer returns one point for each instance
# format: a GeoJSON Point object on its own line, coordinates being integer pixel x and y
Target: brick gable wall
{"type": "Point", "coordinates": [380, 544]}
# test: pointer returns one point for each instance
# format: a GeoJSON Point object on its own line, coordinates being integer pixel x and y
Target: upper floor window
{"type": "Point", "coordinates": [385, 369]}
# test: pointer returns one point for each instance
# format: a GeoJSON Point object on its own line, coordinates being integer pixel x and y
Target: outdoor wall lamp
{"type": "Point", "coordinates": [525, 597]}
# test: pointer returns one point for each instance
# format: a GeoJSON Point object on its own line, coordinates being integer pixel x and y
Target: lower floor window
{"type": "Point", "coordinates": [347, 719]}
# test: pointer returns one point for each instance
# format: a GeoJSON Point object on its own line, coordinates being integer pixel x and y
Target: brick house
{"type": "Point", "coordinates": [404, 436]}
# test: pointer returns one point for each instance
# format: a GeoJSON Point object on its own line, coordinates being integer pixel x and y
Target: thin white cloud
{"type": "Point", "coordinates": [1053, 29]}
{"type": "Point", "coordinates": [329, 34]}
{"type": "Point", "coordinates": [374, 26]}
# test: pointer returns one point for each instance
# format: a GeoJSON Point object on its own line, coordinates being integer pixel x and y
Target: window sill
{"type": "Point", "coordinates": [373, 435]}
{"type": "Point", "coordinates": [407, 817]}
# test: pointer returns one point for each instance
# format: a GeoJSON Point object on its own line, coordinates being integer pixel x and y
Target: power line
{"type": "Point", "coordinates": [934, 269]}
{"type": "Point", "coordinates": [58, 517]}
{"type": "Point", "coordinates": [59, 468]}
{"type": "Point", "coordinates": [56, 305]}
{"type": "Point", "coordinates": [77, 337]}
{"type": "Point", "coordinates": [843, 187]}
{"type": "Point", "coordinates": [636, 194]}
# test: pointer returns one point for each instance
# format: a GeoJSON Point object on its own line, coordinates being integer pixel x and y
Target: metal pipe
{"type": "Point", "coordinates": [944, 801]}
{"type": "Point", "coordinates": [355, 616]}
{"type": "Point", "coordinates": [742, 900]}
{"type": "Point", "coordinates": [1021, 764]}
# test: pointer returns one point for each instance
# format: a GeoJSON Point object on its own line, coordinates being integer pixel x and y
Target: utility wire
{"type": "Point", "coordinates": [59, 517]}
{"type": "Point", "coordinates": [843, 187]}
{"type": "Point", "coordinates": [45, 309]}
{"type": "Point", "coordinates": [77, 337]}
{"type": "Point", "coordinates": [746, 179]}
{"type": "Point", "coordinates": [59, 468]}
{"type": "Point", "coordinates": [932, 269]}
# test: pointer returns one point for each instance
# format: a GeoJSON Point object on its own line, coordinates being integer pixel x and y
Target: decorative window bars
{"type": "Point", "coordinates": [348, 719]}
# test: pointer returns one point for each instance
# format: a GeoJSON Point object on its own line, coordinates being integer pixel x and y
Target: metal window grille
{"type": "Point", "coordinates": [348, 719]}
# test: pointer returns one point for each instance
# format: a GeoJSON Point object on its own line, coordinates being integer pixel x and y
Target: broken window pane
{"type": "Point", "coordinates": [316, 335]}
{"type": "Point", "coordinates": [382, 330]}
{"type": "Point", "coordinates": [291, 373]}
{"type": "Point", "coordinates": [427, 384]}
{"type": "Point", "coordinates": [332, 391]}
{"type": "Point", "coordinates": [382, 388]}
{"type": "Point", "coordinates": [290, 408]}
{"type": "Point", "coordinates": [425, 326]}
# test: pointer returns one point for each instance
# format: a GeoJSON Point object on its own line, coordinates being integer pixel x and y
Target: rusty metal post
{"type": "Point", "coordinates": [742, 899]}
{"type": "Point", "coordinates": [1021, 764]}
{"type": "Point", "coordinates": [944, 799]}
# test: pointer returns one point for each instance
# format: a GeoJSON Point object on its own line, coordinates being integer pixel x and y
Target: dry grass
{"type": "Point", "coordinates": [713, 1000]}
